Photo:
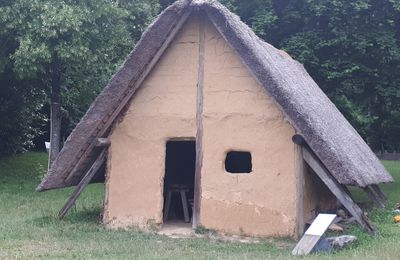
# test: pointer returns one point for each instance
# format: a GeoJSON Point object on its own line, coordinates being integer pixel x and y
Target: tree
{"type": "Point", "coordinates": [65, 46]}
{"type": "Point", "coordinates": [20, 105]}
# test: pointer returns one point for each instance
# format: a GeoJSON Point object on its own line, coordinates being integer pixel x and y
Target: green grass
{"type": "Point", "coordinates": [30, 229]}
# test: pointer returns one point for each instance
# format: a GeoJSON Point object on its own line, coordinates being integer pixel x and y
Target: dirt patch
{"type": "Point", "coordinates": [177, 229]}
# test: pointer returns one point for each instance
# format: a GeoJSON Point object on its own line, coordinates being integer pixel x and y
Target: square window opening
{"type": "Point", "coordinates": [238, 162]}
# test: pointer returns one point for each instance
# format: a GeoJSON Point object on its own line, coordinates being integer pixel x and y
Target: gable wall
{"type": "Point", "coordinates": [240, 115]}
{"type": "Point", "coordinates": [164, 107]}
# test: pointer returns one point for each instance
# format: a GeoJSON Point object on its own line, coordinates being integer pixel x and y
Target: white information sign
{"type": "Point", "coordinates": [320, 224]}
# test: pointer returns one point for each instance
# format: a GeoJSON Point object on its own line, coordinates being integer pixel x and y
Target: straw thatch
{"type": "Point", "coordinates": [315, 117]}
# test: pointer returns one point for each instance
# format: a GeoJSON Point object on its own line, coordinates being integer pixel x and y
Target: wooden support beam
{"type": "Point", "coordinates": [167, 205]}
{"type": "Point", "coordinates": [379, 192]}
{"type": "Point", "coordinates": [337, 189]}
{"type": "Point", "coordinates": [199, 126]}
{"type": "Point", "coordinates": [347, 191]}
{"type": "Point", "coordinates": [300, 182]}
{"type": "Point", "coordinates": [102, 142]}
{"type": "Point", "coordinates": [298, 139]}
{"type": "Point", "coordinates": [374, 197]}
{"type": "Point", "coordinates": [82, 184]}
{"type": "Point", "coordinates": [185, 206]}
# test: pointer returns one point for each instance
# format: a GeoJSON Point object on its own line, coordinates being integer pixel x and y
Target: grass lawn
{"type": "Point", "coordinates": [30, 229]}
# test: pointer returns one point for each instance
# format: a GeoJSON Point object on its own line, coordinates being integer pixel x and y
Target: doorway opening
{"type": "Point", "coordinates": [180, 165]}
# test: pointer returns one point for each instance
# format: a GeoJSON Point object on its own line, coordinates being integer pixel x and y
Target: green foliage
{"type": "Point", "coordinates": [81, 41]}
{"type": "Point", "coordinates": [259, 14]}
{"type": "Point", "coordinates": [201, 230]}
{"type": "Point", "coordinates": [20, 104]}
{"type": "Point", "coordinates": [88, 39]}
{"type": "Point", "coordinates": [165, 3]}
{"type": "Point", "coordinates": [20, 115]}
{"type": "Point", "coordinates": [140, 14]}
{"type": "Point", "coordinates": [80, 34]}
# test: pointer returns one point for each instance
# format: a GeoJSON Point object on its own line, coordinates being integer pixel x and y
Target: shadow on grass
{"type": "Point", "coordinates": [81, 216]}
{"type": "Point", "coordinates": [43, 221]}
{"type": "Point", "coordinates": [88, 216]}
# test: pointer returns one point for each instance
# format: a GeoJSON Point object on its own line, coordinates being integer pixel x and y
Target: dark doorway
{"type": "Point", "coordinates": [180, 164]}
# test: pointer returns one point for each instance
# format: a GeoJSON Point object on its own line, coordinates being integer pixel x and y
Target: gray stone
{"type": "Point", "coordinates": [341, 241]}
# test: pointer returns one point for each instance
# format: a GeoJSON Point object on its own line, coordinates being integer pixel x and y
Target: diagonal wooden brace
{"type": "Point", "coordinates": [379, 192]}
{"type": "Point", "coordinates": [374, 196]}
{"type": "Point", "coordinates": [83, 183]}
{"type": "Point", "coordinates": [336, 188]}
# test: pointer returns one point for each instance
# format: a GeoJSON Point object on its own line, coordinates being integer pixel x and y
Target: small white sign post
{"type": "Point", "coordinates": [47, 144]}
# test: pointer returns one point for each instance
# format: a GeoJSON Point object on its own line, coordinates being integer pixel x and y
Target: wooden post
{"type": "Point", "coordinates": [55, 112]}
{"type": "Point", "coordinates": [184, 205]}
{"type": "Point", "coordinates": [82, 184]}
{"type": "Point", "coordinates": [199, 125]}
{"type": "Point", "coordinates": [102, 142]}
{"type": "Point", "coordinates": [374, 197]}
{"type": "Point", "coordinates": [337, 189]}
{"type": "Point", "coordinates": [347, 191]}
{"type": "Point", "coordinates": [167, 205]}
{"type": "Point", "coordinates": [300, 182]}
{"type": "Point", "coordinates": [379, 192]}
{"type": "Point", "coordinates": [298, 139]}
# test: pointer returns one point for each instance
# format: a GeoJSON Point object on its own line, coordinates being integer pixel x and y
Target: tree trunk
{"type": "Point", "coordinates": [55, 113]}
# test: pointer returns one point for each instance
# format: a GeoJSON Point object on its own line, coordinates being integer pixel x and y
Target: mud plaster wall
{"type": "Point", "coordinates": [240, 115]}
{"type": "Point", "coordinates": [164, 107]}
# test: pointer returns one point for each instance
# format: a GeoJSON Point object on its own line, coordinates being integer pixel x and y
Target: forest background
{"type": "Point", "coordinates": [57, 55]}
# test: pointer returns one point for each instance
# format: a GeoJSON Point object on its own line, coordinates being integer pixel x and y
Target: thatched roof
{"type": "Point", "coordinates": [314, 116]}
